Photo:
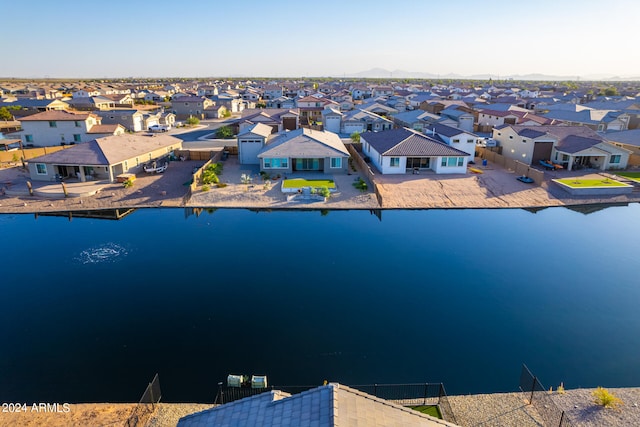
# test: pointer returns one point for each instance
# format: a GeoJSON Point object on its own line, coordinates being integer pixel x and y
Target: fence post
{"type": "Point", "coordinates": [533, 387]}
{"type": "Point", "coordinates": [153, 400]}
{"type": "Point", "coordinates": [424, 400]}
{"type": "Point", "coordinates": [561, 419]}
{"type": "Point", "coordinates": [375, 390]}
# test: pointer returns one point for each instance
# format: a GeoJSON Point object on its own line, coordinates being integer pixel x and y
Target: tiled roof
{"type": "Point", "coordinates": [304, 143]}
{"type": "Point", "coordinates": [325, 406]}
{"type": "Point", "coordinates": [404, 142]}
{"type": "Point", "coordinates": [57, 115]}
{"type": "Point", "coordinates": [630, 137]}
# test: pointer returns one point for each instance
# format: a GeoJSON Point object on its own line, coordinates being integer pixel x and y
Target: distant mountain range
{"type": "Point", "coordinates": [402, 74]}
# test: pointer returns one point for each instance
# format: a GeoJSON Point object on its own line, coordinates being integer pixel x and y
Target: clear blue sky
{"type": "Point", "coordinates": [118, 38]}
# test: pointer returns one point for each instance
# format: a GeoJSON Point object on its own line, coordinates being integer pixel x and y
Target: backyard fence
{"type": "Point", "coordinates": [147, 403]}
{"type": "Point", "coordinates": [521, 169]}
{"type": "Point", "coordinates": [536, 394]}
{"type": "Point", "coordinates": [366, 169]}
{"type": "Point", "coordinates": [418, 394]}
{"type": "Point", "coordinates": [28, 153]}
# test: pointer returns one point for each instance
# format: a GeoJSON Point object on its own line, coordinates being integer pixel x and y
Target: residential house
{"type": "Point", "coordinates": [311, 108]}
{"type": "Point", "coordinates": [463, 117]}
{"type": "Point", "coordinates": [455, 137]}
{"type": "Point", "coordinates": [132, 120]}
{"type": "Point", "coordinates": [360, 92]}
{"type": "Point", "coordinates": [598, 120]}
{"type": "Point", "coordinates": [233, 104]}
{"type": "Point", "coordinates": [121, 100]}
{"type": "Point", "coordinates": [418, 119]}
{"type": "Point", "coordinates": [56, 127]}
{"type": "Point", "coordinates": [400, 151]}
{"type": "Point", "coordinates": [103, 158]}
{"type": "Point", "coordinates": [325, 406]}
{"type": "Point", "coordinates": [272, 92]}
{"type": "Point", "coordinates": [187, 106]}
{"type": "Point", "coordinates": [86, 92]}
{"type": "Point", "coordinates": [281, 102]}
{"type": "Point", "coordinates": [629, 140]}
{"type": "Point", "coordinates": [332, 120]}
{"type": "Point", "coordinates": [278, 119]}
{"type": "Point", "coordinates": [250, 141]}
{"type": "Point", "coordinates": [379, 109]}
{"type": "Point", "coordinates": [91, 103]}
{"type": "Point", "coordinates": [574, 147]}
{"type": "Point", "coordinates": [33, 106]}
{"type": "Point", "coordinates": [381, 91]}
{"type": "Point", "coordinates": [100, 131]}
{"type": "Point", "coordinates": [304, 150]}
{"type": "Point", "coordinates": [362, 121]}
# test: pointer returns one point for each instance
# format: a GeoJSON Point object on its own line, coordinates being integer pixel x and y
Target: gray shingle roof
{"type": "Point", "coordinates": [404, 142]}
{"type": "Point", "coordinates": [304, 142]}
{"type": "Point", "coordinates": [109, 150]}
{"type": "Point", "coordinates": [324, 406]}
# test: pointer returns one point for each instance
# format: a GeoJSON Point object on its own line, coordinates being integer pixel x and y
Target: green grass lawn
{"type": "Point", "coordinates": [583, 183]}
{"type": "Point", "coordinates": [313, 183]}
{"type": "Point", "coordinates": [631, 175]}
{"type": "Point", "coordinates": [432, 410]}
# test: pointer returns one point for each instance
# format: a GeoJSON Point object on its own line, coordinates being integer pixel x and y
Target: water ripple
{"type": "Point", "coordinates": [105, 253]}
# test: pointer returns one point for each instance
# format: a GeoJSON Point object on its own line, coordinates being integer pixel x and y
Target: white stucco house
{"type": "Point", "coordinates": [57, 127]}
{"type": "Point", "coordinates": [457, 138]}
{"type": "Point", "coordinates": [401, 151]}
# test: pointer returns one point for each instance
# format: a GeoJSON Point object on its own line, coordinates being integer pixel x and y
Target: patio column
{"type": "Point", "coordinates": [82, 177]}
{"type": "Point", "coordinates": [570, 165]}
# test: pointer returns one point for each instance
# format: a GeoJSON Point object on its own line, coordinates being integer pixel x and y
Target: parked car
{"type": "Point", "coordinates": [159, 128]}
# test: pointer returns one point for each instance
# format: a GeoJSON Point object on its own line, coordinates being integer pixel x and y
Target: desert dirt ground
{"type": "Point", "coordinates": [496, 187]}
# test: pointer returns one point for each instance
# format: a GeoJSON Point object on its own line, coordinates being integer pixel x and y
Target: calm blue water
{"type": "Point", "coordinates": [91, 309]}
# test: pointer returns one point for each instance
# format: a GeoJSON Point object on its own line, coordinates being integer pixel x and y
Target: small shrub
{"type": "Point", "coordinates": [221, 184]}
{"type": "Point", "coordinates": [192, 121]}
{"type": "Point", "coordinates": [324, 192]}
{"type": "Point", "coordinates": [361, 185]}
{"type": "Point", "coordinates": [560, 389]}
{"type": "Point", "coordinates": [225, 132]}
{"type": "Point", "coordinates": [128, 183]}
{"type": "Point", "coordinates": [605, 398]}
{"type": "Point", "coordinates": [206, 188]}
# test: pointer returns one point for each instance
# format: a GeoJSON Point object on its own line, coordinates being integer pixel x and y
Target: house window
{"type": "Point", "coordinates": [452, 161]}
{"type": "Point", "coordinates": [53, 125]}
{"type": "Point", "coordinates": [126, 165]}
{"type": "Point", "coordinates": [469, 141]}
{"type": "Point", "coordinates": [524, 140]}
{"type": "Point", "coordinates": [77, 137]}
{"type": "Point", "coordinates": [77, 124]}
{"type": "Point", "coordinates": [510, 136]}
{"type": "Point", "coordinates": [336, 162]}
{"type": "Point", "coordinates": [600, 128]}
{"type": "Point", "coordinates": [615, 158]}
{"type": "Point", "coordinates": [394, 162]}
{"type": "Point", "coordinates": [456, 140]}
{"type": "Point", "coordinates": [41, 169]}
{"type": "Point", "coordinates": [28, 138]}
{"type": "Point", "coordinates": [275, 163]}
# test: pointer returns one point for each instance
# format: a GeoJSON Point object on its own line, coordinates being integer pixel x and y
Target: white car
{"type": "Point", "coordinates": [159, 128]}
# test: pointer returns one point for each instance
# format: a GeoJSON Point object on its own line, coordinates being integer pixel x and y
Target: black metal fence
{"type": "Point", "coordinates": [418, 394]}
{"type": "Point", "coordinates": [538, 396]}
{"type": "Point", "coordinates": [147, 403]}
